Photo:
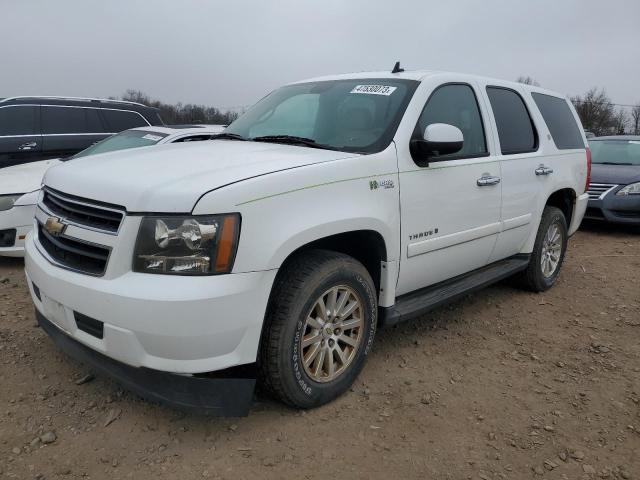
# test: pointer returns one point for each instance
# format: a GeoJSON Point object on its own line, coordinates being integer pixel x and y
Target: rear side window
{"type": "Point", "coordinates": [456, 105]}
{"type": "Point", "coordinates": [561, 122]}
{"type": "Point", "coordinates": [18, 120]}
{"type": "Point", "coordinates": [94, 124]}
{"type": "Point", "coordinates": [61, 120]}
{"type": "Point", "coordinates": [119, 120]}
{"type": "Point", "coordinates": [515, 127]}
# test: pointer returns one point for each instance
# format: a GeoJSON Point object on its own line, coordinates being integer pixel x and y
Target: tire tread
{"type": "Point", "coordinates": [289, 283]}
{"type": "Point", "coordinates": [531, 277]}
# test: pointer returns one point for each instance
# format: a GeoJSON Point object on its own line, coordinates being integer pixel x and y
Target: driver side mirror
{"type": "Point", "coordinates": [438, 139]}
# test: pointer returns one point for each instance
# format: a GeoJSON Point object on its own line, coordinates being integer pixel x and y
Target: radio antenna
{"type": "Point", "coordinates": [397, 68]}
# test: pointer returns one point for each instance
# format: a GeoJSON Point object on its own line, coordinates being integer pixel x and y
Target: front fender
{"type": "Point", "coordinates": [283, 211]}
{"type": "Point", "coordinates": [318, 232]}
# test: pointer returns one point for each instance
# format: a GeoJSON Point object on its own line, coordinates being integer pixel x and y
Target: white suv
{"type": "Point", "coordinates": [332, 207]}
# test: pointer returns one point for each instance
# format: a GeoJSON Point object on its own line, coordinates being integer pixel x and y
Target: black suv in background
{"type": "Point", "coordinates": [38, 128]}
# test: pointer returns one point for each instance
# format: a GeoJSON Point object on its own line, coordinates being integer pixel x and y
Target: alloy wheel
{"type": "Point", "coordinates": [332, 334]}
{"type": "Point", "coordinates": [551, 250]}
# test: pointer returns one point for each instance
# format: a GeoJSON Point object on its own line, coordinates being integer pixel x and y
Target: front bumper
{"type": "Point", "coordinates": [615, 209]}
{"type": "Point", "coordinates": [230, 397]}
{"type": "Point", "coordinates": [19, 218]}
{"type": "Point", "coordinates": [178, 324]}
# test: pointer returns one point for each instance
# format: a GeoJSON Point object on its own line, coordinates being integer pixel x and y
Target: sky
{"type": "Point", "coordinates": [229, 54]}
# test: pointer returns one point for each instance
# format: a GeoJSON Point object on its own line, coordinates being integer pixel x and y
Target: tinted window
{"type": "Point", "coordinates": [456, 105]}
{"type": "Point", "coordinates": [561, 122]}
{"type": "Point", "coordinates": [119, 120]}
{"type": "Point", "coordinates": [18, 120]}
{"type": "Point", "coordinates": [515, 128]}
{"type": "Point", "coordinates": [94, 124]}
{"type": "Point", "coordinates": [58, 120]}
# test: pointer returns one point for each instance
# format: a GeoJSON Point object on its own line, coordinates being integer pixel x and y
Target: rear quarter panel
{"type": "Point", "coordinates": [569, 166]}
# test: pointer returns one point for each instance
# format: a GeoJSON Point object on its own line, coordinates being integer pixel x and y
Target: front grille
{"type": "Point", "coordinates": [73, 254]}
{"type": "Point", "coordinates": [8, 237]}
{"type": "Point", "coordinates": [596, 190]}
{"type": "Point", "coordinates": [86, 213]}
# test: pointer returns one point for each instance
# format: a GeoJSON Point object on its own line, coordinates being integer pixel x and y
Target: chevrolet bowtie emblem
{"type": "Point", "coordinates": [54, 226]}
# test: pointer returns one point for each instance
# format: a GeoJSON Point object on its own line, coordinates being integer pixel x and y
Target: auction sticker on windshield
{"type": "Point", "coordinates": [374, 89]}
{"type": "Point", "coordinates": [151, 136]}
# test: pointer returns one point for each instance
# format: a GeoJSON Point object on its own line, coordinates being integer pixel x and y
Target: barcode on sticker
{"type": "Point", "coordinates": [374, 89]}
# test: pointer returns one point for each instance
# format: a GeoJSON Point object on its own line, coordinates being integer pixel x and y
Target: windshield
{"type": "Point", "coordinates": [122, 141]}
{"type": "Point", "coordinates": [357, 115]}
{"type": "Point", "coordinates": [618, 152]}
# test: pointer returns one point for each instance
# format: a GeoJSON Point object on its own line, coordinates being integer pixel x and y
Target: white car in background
{"type": "Point", "coordinates": [20, 184]}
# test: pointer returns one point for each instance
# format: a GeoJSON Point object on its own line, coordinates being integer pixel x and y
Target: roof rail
{"type": "Point", "coordinates": [73, 98]}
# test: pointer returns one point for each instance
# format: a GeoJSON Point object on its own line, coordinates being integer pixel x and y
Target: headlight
{"type": "Point", "coordinates": [632, 189]}
{"type": "Point", "coordinates": [7, 201]}
{"type": "Point", "coordinates": [198, 245]}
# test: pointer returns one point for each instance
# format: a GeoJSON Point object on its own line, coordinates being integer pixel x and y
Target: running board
{"type": "Point", "coordinates": [421, 301]}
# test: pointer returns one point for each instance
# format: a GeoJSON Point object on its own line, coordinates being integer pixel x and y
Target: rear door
{"type": "Point", "coordinates": [520, 155]}
{"type": "Point", "coordinates": [20, 138]}
{"type": "Point", "coordinates": [68, 129]}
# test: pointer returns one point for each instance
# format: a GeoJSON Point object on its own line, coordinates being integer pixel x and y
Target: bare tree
{"type": "Point", "coordinates": [179, 113]}
{"type": "Point", "coordinates": [528, 80]}
{"type": "Point", "coordinates": [620, 122]}
{"type": "Point", "coordinates": [596, 112]}
{"type": "Point", "coordinates": [635, 119]}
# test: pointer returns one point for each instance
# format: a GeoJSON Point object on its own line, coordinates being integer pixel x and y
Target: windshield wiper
{"type": "Point", "coordinates": [228, 136]}
{"type": "Point", "coordinates": [611, 163]}
{"type": "Point", "coordinates": [293, 140]}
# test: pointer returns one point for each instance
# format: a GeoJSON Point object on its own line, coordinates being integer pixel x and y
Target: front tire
{"type": "Point", "coordinates": [548, 251]}
{"type": "Point", "coordinates": [319, 329]}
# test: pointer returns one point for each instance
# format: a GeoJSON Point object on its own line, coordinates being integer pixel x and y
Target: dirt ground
{"type": "Point", "coordinates": [504, 384]}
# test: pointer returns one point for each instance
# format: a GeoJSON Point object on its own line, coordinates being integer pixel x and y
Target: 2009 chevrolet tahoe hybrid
{"type": "Point", "coordinates": [332, 207]}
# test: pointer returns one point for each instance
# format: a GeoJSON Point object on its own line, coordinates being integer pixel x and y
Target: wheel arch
{"type": "Point", "coordinates": [368, 246]}
{"type": "Point", "coordinates": [563, 198]}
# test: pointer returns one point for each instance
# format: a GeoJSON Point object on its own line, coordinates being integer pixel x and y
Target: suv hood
{"type": "Point", "coordinates": [618, 174]}
{"type": "Point", "coordinates": [24, 178]}
{"type": "Point", "coordinates": [171, 178]}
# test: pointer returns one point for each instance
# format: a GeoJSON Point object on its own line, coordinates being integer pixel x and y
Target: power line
{"type": "Point", "coordinates": [606, 103]}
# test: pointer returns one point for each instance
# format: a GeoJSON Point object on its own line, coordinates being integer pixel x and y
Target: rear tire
{"type": "Point", "coordinates": [319, 328]}
{"type": "Point", "coordinates": [548, 251]}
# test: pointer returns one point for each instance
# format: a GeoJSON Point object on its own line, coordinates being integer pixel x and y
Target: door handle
{"type": "Point", "coordinates": [28, 146]}
{"type": "Point", "coordinates": [543, 170]}
{"type": "Point", "coordinates": [487, 180]}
